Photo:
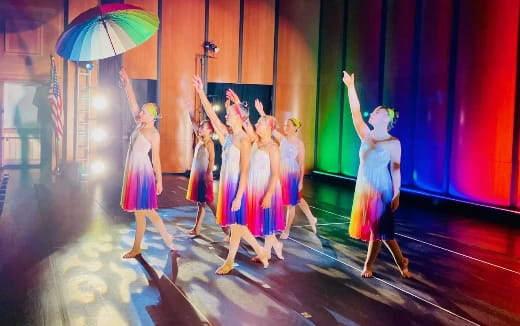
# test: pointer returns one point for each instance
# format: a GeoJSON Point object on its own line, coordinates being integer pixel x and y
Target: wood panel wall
{"type": "Point", "coordinates": [258, 42]}
{"type": "Point", "coordinates": [141, 61]}
{"type": "Point", "coordinates": [182, 37]}
{"type": "Point", "coordinates": [296, 70]}
{"type": "Point", "coordinates": [224, 26]}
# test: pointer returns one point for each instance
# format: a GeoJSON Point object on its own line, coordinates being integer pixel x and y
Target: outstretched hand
{"type": "Point", "coordinates": [232, 96]}
{"type": "Point", "coordinates": [348, 79]}
{"type": "Point", "coordinates": [259, 107]}
{"type": "Point", "coordinates": [197, 83]}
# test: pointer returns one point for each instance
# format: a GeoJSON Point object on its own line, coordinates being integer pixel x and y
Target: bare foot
{"type": "Point", "coordinates": [264, 258]}
{"type": "Point", "coordinates": [132, 254]}
{"type": "Point", "coordinates": [404, 271]}
{"type": "Point", "coordinates": [284, 235]}
{"type": "Point", "coordinates": [225, 268]}
{"type": "Point", "coordinates": [313, 225]}
{"type": "Point", "coordinates": [278, 247]}
{"type": "Point", "coordinates": [193, 232]}
{"type": "Point", "coordinates": [257, 259]}
{"type": "Point", "coordinates": [367, 273]}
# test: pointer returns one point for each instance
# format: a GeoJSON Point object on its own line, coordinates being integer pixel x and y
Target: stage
{"type": "Point", "coordinates": [61, 245]}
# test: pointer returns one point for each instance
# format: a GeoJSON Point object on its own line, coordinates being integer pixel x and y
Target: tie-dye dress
{"type": "Point", "coordinates": [228, 186]}
{"type": "Point", "coordinates": [371, 208]}
{"type": "Point", "coordinates": [289, 173]}
{"type": "Point", "coordinates": [260, 221]}
{"type": "Point", "coordinates": [199, 189]}
{"type": "Point", "coordinates": [138, 191]}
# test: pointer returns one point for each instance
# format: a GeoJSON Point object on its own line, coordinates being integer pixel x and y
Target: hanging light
{"type": "Point", "coordinates": [211, 46]}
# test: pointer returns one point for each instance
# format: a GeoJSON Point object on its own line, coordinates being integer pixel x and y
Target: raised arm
{"type": "Point", "coordinates": [250, 131]}
{"type": "Point", "coordinates": [220, 128]}
{"type": "Point", "coordinates": [245, 157]}
{"type": "Point", "coordinates": [156, 161]}
{"type": "Point", "coordinates": [274, 158]}
{"type": "Point", "coordinates": [260, 109]}
{"type": "Point", "coordinates": [359, 124]}
{"type": "Point", "coordinates": [395, 170]}
{"type": "Point", "coordinates": [232, 96]}
{"type": "Point", "coordinates": [191, 115]}
{"type": "Point", "coordinates": [130, 95]}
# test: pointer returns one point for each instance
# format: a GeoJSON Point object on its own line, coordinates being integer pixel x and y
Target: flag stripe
{"type": "Point", "coordinates": [54, 99]}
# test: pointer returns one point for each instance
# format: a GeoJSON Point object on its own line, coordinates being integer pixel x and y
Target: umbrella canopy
{"type": "Point", "coordinates": [105, 31]}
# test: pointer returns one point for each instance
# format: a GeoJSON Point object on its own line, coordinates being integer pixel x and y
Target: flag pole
{"type": "Point", "coordinates": [56, 154]}
{"type": "Point", "coordinates": [56, 169]}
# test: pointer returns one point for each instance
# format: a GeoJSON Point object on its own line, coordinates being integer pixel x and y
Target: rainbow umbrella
{"type": "Point", "coordinates": [105, 31]}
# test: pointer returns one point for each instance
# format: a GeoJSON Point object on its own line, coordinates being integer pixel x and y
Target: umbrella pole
{"type": "Point", "coordinates": [109, 38]}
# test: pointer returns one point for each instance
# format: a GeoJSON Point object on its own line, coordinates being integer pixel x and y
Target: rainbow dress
{"type": "Point", "coordinates": [199, 189]}
{"type": "Point", "coordinates": [260, 221]}
{"type": "Point", "coordinates": [289, 173]}
{"type": "Point", "coordinates": [138, 192]}
{"type": "Point", "coordinates": [228, 186]}
{"type": "Point", "coordinates": [371, 210]}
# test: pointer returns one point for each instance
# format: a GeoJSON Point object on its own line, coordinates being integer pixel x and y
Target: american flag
{"type": "Point", "coordinates": [55, 101]}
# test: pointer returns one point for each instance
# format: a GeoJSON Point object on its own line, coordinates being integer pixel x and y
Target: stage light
{"type": "Point", "coordinates": [99, 102]}
{"type": "Point", "coordinates": [87, 65]}
{"type": "Point", "coordinates": [98, 168]}
{"type": "Point", "coordinates": [216, 107]}
{"type": "Point", "coordinates": [211, 46]}
{"type": "Point", "coordinates": [99, 134]}
{"type": "Point", "coordinates": [214, 136]}
{"type": "Point", "coordinates": [215, 167]}
{"type": "Point", "coordinates": [365, 114]}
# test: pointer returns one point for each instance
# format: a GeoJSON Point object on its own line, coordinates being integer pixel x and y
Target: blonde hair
{"type": "Point", "coordinates": [393, 114]}
{"type": "Point", "coordinates": [295, 122]}
{"type": "Point", "coordinates": [152, 108]}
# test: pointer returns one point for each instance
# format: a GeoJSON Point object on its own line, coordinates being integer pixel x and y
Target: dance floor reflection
{"type": "Point", "coordinates": [61, 247]}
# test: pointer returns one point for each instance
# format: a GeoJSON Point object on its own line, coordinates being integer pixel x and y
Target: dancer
{"type": "Point", "coordinates": [236, 151]}
{"type": "Point", "coordinates": [376, 196]}
{"type": "Point", "coordinates": [200, 184]}
{"type": "Point", "coordinates": [292, 171]}
{"type": "Point", "coordinates": [264, 194]}
{"type": "Point", "coordinates": [140, 186]}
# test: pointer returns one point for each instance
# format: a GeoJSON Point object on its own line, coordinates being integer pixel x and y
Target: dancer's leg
{"type": "Point", "coordinates": [251, 240]}
{"type": "Point", "coordinates": [373, 250]}
{"type": "Point", "coordinates": [290, 212]}
{"type": "Point", "coordinates": [270, 243]}
{"type": "Point", "coordinates": [159, 225]}
{"type": "Point", "coordinates": [140, 226]}
{"type": "Point", "coordinates": [401, 262]}
{"type": "Point", "coordinates": [225, 229]}
{"type": "Point", "coordinates": [307, 211]}
{"type": "Point", "coordinates": [234, 242]}
{"type": "Point", "coordinates": [201, 211]}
